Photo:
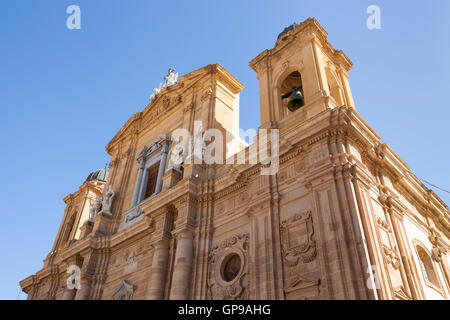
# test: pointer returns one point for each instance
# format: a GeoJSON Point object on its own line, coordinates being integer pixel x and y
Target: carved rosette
{"type": "Point", "coordinates": [228, 269]}
{"type": "Point", "coordinates": [297, 239]}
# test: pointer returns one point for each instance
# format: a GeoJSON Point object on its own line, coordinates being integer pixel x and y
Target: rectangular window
{"type": "Point", "coordinates": [151, 182]}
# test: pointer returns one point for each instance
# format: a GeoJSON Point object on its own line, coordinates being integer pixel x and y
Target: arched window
{"type": "Point", "coordinates": [292, 97]}
{"type": "Point", "coordinates": [427, 267]}
{"type": "Point", "coordinates": [68, 228]}
{"type": "Point", "coordinates": [334, 87]}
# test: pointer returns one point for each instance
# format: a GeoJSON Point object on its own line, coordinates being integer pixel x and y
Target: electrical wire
{"type": "Point", "coordinates": [423, 180]}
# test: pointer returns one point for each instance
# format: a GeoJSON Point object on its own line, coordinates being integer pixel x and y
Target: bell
{"type": "Point", "coordinates": [296, 100]}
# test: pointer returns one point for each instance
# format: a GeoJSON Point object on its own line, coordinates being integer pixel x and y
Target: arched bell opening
{"type": "Point", "coordinates": [292, 96]}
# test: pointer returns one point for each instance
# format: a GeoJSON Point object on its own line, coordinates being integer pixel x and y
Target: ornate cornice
{"type": "Point", "coordinates": [310, 29]}
{"type": "Point", "coordinates": [233, 84]}
{"type": "Point", "coordinates": [132, 125]}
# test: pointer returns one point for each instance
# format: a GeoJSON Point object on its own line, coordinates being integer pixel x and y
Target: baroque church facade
{"type": "Point", "coordinates": [340, 217]}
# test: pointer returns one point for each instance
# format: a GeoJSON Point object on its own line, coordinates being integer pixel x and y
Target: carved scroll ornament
{"type": "Point", "coordinates": [228, 269]}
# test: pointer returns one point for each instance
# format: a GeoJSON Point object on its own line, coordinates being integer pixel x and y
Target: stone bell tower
{"type": "Point", "coordinates": [302, 57]}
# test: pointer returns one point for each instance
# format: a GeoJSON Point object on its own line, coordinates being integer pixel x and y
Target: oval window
{"type": "Point", "coordinates": [231, 268]}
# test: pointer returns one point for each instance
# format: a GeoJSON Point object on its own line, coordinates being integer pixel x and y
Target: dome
{"type": "Point", "coordinates": [287, 29]}
{"type": "Point", "coordinates": [99, 174]}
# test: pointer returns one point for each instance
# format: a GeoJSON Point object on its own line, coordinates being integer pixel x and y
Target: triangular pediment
{"type": "Point", "coordinates": [402, 294]}
{"type": "Point", "coordinates": [172, 97]}
{"type": "Point", "coordinates": [301, 283]}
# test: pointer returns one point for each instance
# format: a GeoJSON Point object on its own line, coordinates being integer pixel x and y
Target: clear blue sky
{"type": "Point", "coordinates": [65, 93]}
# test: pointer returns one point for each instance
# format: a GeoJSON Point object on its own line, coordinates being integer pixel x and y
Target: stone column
{"type": "Point", "coordinates": [159, 271]}
{"type": "Point", "coordinates": [69, 294]}
{"type": "Point", "coordinates": [137, 187]}
{"type": "Point", "coordinates": [162, 168]}
{"type": "Point", "coordinates": [85, 288]}
{"type": "Point", "coordinates": [182, 272]}
{"type": "Point", "coordinates": [397, 221]}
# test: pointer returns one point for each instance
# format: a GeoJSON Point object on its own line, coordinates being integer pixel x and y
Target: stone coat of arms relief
{"type": "Point", "coordinates": [299, 246]}
{"type": "Point", "coordinates": [228, 269]}
{"type": "Point", "coordinates": [297, 242]}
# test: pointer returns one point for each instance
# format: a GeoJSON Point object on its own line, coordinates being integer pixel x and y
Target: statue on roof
{"type": "Point", "coordinates": [108, 200]}
{"type": "Point", "coordinates": [171, 78]}
{"type": "Point", "coordinates": [155, 92]}
{"type": "Point", "coordinates": [95, 208]}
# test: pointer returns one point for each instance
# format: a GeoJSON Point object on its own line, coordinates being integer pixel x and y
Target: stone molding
{"type": "Point", "coordinates": [220, 288]}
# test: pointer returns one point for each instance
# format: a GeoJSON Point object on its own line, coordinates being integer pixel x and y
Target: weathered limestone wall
{"type": "Point", "coordinates": [340, 219]}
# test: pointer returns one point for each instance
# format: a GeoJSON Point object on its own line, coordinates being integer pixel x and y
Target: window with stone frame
{"type": "Point", "coordinates": [427, 266]}
{"type": "Point", "coordinates": [152, 180]}
{"type": "Point", "coordinates": [68, 228]}
{"type": "Point", "coordinates": [152, 161]}
{"type": "Point", "coordinates": [334, 86]}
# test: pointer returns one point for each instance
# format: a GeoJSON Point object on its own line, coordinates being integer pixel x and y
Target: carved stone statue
{"type": "Point", "coordinates": [171, 78]}
{"type": "Point", "coordinates": [108, 200]}
{"type": "Point", "coordinates": [95, 208]}
{"type": "Point", "coordinates": [156, 91]}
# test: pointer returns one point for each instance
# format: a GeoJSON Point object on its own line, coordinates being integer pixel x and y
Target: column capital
{"type": "Point", "coordinates": [141, 163]}
{"type": "Point", "coordinates": [161, 244]}
{"type": "Point", "coordinates": [186, 233]}
{"type": "Point", "coordinates": [187, 201]}
{"type": "Point", "coordinates": [186, 208]}
{"type": "Point", "coordinates": [163, 223]}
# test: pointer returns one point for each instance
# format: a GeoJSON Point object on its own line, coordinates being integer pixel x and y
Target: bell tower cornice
{"type": "Point", "coordinates": [309, 30]}
{"type": "Point", "coordinates": [302, 71]}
